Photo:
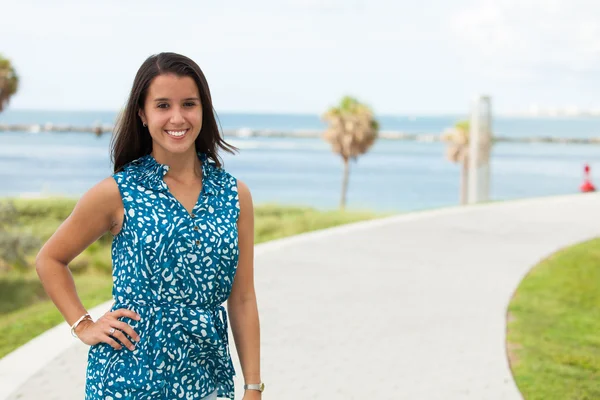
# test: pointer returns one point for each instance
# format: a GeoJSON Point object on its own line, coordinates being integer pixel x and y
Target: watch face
{"type": "Point", "coordinates": [262, 387]}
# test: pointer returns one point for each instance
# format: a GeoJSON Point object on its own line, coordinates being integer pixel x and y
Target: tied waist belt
{"type": "Point", "coordinates": [173, 326]}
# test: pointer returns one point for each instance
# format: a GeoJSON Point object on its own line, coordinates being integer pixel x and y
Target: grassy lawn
{"type": "Point", "coordinates": [554, 327]}
{"type": "Point", "coordinates": [26, 311]}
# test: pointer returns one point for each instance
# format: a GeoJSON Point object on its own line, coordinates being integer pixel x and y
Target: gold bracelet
{"type": "Point", "coordinates": [74, 326]}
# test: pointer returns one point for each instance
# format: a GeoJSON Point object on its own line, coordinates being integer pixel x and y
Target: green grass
{"type": "Point", "coordinates": [26, 311]}
{"type": "Point", "coordinates": [23, 324]}
{"type": "Point", "coordinates": [554, 327]}
{"type": "Point", "coordinates": [275, 222]}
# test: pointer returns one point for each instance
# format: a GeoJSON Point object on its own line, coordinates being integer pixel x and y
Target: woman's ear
{"type": "Point", "coordinates": [142, 117]}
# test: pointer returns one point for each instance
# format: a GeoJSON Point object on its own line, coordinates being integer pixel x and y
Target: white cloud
{"type": "Point", "coordinates": [519, 39]}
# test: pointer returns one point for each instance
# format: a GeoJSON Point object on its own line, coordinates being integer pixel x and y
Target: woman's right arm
{"type": "Point", "coordinates": [98, 211]}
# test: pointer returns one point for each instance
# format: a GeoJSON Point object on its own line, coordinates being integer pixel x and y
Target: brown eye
{"type": "Point", "coordinates": [190, 104]}
{"type": "Point", "coordinates": [162, 105]}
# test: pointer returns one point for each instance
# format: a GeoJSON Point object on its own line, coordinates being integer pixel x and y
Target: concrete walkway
{"type": "Point", "coordinates": [410, 307]}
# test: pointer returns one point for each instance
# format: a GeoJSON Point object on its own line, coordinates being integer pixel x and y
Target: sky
{"type": "Point", "coordinates": [301, 56]}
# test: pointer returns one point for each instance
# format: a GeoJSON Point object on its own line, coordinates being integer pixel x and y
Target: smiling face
{"type": "Point", "coordinates": [173, 113]}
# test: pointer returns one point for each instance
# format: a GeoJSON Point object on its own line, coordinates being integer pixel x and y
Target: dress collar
{"type": "Point", "coordinates": [151, 173]}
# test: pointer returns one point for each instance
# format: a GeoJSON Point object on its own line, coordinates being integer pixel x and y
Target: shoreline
{"type": "Point", "coordinates": [99, 130]}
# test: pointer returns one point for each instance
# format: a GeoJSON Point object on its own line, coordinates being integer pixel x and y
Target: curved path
{"type": "Point", "coordinates": [409, 307]}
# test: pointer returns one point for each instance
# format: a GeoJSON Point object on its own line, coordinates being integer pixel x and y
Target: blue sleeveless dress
{"type": "Point", "coordinates": [175, 269]}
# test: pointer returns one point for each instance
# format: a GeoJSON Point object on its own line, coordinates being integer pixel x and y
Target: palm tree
{"type": "Point", "coordinates": [9, 81]}
{"type": "Point", "coordinates": [352, 130]}
{"type": "Point", "coordinates": [458, 152]}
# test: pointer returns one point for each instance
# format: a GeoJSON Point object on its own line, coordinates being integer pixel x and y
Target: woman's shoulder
{"type": "Point", "coordinates": [225, 177]}
{"type": "Point", "coordinates": [217, 177]}
{"type": "Point", "coordinates": [242, 188]}
{"type": "Point", "coordinates": [106, 189]}
{"type": "Point", "coordinates": [131, 168]}
{"type": "Point", "coordinates": [103, 197]}
{"type": "Point", "coordinates": [229, 186]}
{"type": "Point", "coordinates": [139, 171]}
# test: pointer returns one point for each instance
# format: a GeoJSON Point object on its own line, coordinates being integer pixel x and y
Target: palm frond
{"type": "Point", "coordinates": [352, 128]}
{"type": "Point", "coordinates": [9, 82]}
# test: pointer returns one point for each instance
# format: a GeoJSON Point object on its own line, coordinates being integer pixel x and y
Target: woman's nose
{"type": "Point", "coordinates": [176, 116]}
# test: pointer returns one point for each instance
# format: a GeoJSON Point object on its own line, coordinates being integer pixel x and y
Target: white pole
{"type": "Point", "coordinates": [479, 136]}
{"type": "Point", "coordinates": [485, 162]}
{"type": "Point", "coordinates": [473, 152]}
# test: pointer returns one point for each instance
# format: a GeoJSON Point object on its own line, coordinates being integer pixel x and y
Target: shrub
{"type": "Point", "coordinates": [15, 243]}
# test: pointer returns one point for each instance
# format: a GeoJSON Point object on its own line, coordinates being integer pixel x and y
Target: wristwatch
{"type": "Point", "coordinates": [255, 386]}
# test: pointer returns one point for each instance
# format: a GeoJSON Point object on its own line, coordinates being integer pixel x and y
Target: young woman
{"type": "Point", "coordinates": [183, 244]}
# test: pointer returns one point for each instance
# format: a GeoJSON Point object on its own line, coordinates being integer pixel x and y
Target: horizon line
{"type": "Point", "coordinates": [306, 113]}
{"type": "Point", "coordinates": [523, 114]}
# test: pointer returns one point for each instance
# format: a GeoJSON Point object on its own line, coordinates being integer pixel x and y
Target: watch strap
{"type": "Point", "coordinates": [255, 386]}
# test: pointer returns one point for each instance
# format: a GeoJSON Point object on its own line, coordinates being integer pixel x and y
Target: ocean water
{"type": "Point", "coordinates": [569, 127]}
{"type": "Point", "coordinates": [393, 176]}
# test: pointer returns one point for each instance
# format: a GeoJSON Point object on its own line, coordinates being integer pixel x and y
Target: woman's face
{"type": "Point", "coordinates": [173, 113]}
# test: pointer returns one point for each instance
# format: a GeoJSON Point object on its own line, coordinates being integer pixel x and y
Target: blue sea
{"type": "Point", "coordinates": [392, 176]}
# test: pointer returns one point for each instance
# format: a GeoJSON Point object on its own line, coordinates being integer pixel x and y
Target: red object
{"type": "Point", "coordinates": [587, 185]}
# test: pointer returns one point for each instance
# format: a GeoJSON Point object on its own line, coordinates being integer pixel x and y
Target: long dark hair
{"type": "Point", "coordinates": [132, 140]}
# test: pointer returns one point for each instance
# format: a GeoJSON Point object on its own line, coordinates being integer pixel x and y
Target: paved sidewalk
{"type": "Point", "coordinates": [411, 307]}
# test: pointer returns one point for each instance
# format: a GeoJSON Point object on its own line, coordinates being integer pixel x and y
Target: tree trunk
{"type": "Point", "coordinates": [345, 183]}
{"type": "Point", "coordinates": [464, 178]}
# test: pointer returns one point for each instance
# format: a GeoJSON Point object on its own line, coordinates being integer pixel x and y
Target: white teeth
{"type": "Point", "coordinates": [176, 133]}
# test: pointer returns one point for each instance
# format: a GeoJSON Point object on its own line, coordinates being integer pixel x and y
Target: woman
{"type": "Point", "coordinates": [183, 244]}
